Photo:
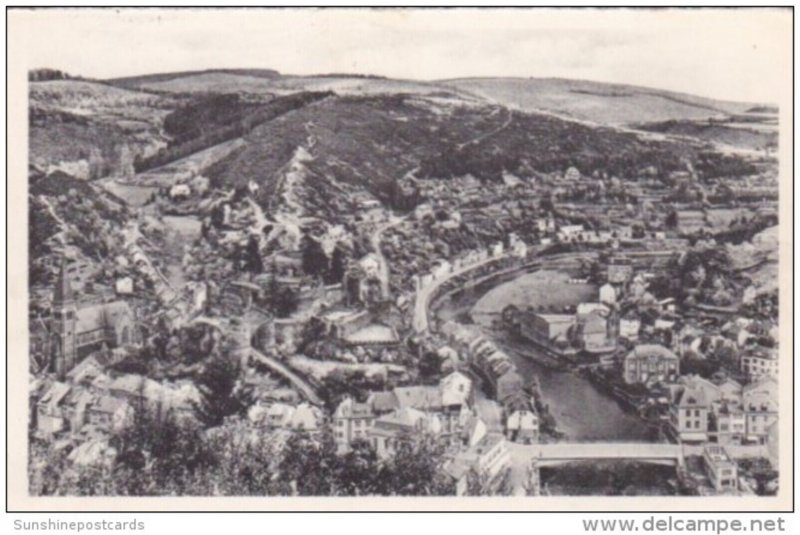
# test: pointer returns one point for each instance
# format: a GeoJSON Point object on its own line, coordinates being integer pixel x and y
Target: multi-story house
{"type": "Point", "coordinates": [760, 404]}
{"type": "Point", "coordinates": [405, 425]}
{"type": "Point", "coordinates": [488, 460]}
{"type": "Point", "coordinates": [757, 364]}
{"type": "Point", "coordinates": [448, 402]}
{"type": "Point", "coordinates": [730, 423]}
{"type": "Point", "coordinates": [730, 391]}
{"type": "Point", "coordinates": [629, 326]}
{"type": "Point", "coordinates": [523, 426]}
{"type": "Point", "coordinates": [720, 468]}
{"type": "Point", "coordinates": [49, 414]}
{"type": "Point", "coordinates": [108, 413]}
{"type": "Point", "coordinates": [650, 363]}
{"type": "Point", "coordinates": [689, 411]}
{"type": "Point", "coordinates": [608, 294]}
{"type": "Point", "coordinates": [351, 421]}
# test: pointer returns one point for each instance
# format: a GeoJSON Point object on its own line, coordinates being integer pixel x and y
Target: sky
{"type": "Point", "coordinates": [732, 54]}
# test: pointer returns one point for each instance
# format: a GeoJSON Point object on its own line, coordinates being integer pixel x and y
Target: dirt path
{"type": "Point", "coordinates": [497, 130]}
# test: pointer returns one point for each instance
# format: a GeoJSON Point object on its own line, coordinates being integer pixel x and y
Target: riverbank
{"type": "Point", "coordinates": [581, 411]}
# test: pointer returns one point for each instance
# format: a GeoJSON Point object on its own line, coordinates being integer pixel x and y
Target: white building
{"type": "Point", "coordinates": [497, 249]}
{"type": "Point", "coordinates": [608, 294]}
{"type": "Point", "coordinates": [180, 191]}
{"type": "Point", "coordinates": [759, 365]}
{"type": "Point", "coordinates": [488, 459]}
{"type": "Point", "coordinates": [124, 286]}
{"type": "Point", "coordinates": [523, 426]}
{"type": "Point", "coordinates": [720, 468]}
{"type": "Point", "coordinates": [760, 403]}
{"type": "Point", "coordinates": [455, 389]}
{"type": "Point", "coordinates": [566, 232]}
{"type": "Point", "coordinates": [351, 421]}
{"type": "Point", "coordinates": [629, 328]}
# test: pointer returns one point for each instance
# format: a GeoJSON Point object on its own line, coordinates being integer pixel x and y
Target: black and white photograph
{"type": "Point", "coordinates": [519, 254]}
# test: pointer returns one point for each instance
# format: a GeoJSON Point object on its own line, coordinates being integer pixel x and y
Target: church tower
{"type": "Point", "coordinates": [63, 347]}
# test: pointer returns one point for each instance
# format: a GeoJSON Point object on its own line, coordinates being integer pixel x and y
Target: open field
{"type": "Point", "coordinates": [541, 288]}
{"type": "Point", "coordinates": [70, 118]}
{"type": "Point", "coordinates": [594, 101]}
{"type": "Point", "coordinates": [244, 82]}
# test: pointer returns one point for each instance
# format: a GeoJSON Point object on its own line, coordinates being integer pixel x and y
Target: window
{"type": "Point", "coordinates": [688, 412]}
{"type": "Point", "coordinates": [697, 412]}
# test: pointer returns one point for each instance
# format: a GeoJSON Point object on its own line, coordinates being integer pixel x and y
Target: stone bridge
{"type": "Point", "coordinates": [563, 453]}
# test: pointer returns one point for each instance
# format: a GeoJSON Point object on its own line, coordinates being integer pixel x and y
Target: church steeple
{"type": "Point", "coordinates": [63, 293]}
{"type": "Point", "coordinates": [63, 349]}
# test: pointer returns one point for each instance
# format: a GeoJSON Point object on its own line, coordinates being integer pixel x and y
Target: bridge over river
{"type": "Point", "coordinates": [562, 453]}
{"type": "Point", "coordinates": [527, 459]}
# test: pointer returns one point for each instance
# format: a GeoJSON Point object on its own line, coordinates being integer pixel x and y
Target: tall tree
{"type": "Point", "coordinates": [252, 256]}
{"type": "Point", "coordinates": [338, 265]}
{"type": "Point", "coordinates": [307, 465]}
{"type": "Point", "coordinates": [286, 302]}
{"type": "Point", "coordinates": [219, 396]}
{"type": "Point", "coordinates": [672, 219]}
{"type": "Point", "coordinates": [218, 216]}
{"type": "Point", "coordinates": [415, 470]}
{"type": "Point", "coordinates": [315, 262]}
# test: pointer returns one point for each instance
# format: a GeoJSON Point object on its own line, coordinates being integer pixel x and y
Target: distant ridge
{"type": "Point", "coordinates": [598, 102]}
{"type": "Point", "coordinates": [133, 82]}
{"type": "Point", "coordinates": [612, 89]}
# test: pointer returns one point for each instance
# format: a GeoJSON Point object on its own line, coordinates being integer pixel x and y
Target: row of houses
{"type": "Point", "coordinates": [516, 248]}
{"type": "Point", "coordinates": [577, 233]}
{"type": "Point", "coordinates": [725, 412]}
{"type": "Point", "coordinates": [503, 381]}
{"type": "Point", "coordinates": [388, 418]}
{"type": "Point", "coordinates": [303, 417]}
{"type": "Point", "coordinates": [445, 413]}
{"type": "Point", "coordinates": [90, 397]}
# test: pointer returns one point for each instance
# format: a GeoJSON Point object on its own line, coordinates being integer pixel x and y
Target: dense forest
{"type": "Point", "coordinates": [216, 119]}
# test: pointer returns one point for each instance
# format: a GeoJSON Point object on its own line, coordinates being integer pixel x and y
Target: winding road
{"type": "Point", "coordinates": [375, 242]}
{"type": "Point", "coordinates": [278, 367]}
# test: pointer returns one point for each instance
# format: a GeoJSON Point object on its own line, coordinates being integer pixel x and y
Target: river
{"type": "Point", "coordinates": [582, 412]}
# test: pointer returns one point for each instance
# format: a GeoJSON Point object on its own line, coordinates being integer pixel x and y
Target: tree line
{"type": "Point", "coordinates": [222, 118]}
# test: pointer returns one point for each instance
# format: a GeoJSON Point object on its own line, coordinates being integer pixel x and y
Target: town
{"type": "Point", "coordinates": [507, 334]}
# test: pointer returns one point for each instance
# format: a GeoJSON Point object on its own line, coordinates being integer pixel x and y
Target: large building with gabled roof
{"type": "Point", "coordinates": [78, 329]}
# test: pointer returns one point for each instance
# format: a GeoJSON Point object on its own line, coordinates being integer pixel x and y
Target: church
{"type": "Point", "coordinates": [78, 329]}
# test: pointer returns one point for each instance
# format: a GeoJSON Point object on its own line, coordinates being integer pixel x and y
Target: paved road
{"type": "Point", "coordinates": [375, 241]}
{"type": "Point", "coordinates": [423, 296]}
{"type": "Point", "coordinates": [163, 289]}
{"type": "Point", "coordinates": [278, 367]}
